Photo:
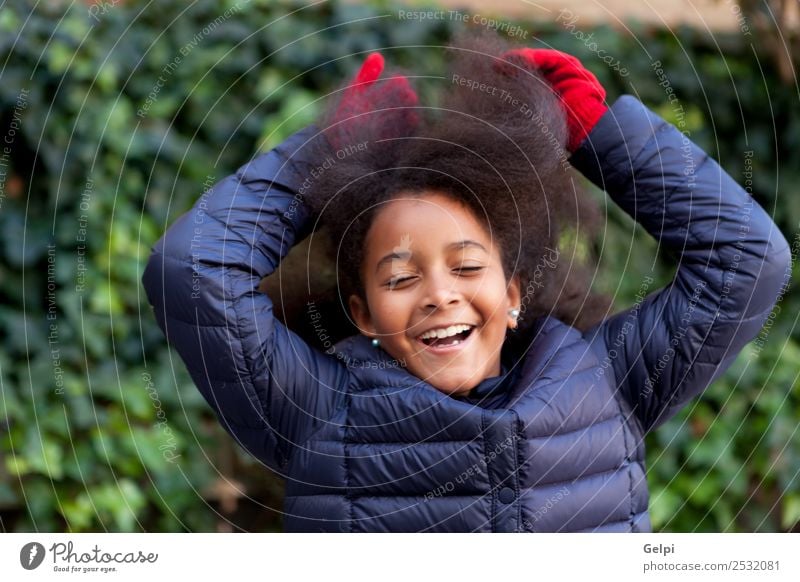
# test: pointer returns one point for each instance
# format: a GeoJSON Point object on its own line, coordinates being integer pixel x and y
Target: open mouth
{"type": "Point", "coordinates": [455, 337]}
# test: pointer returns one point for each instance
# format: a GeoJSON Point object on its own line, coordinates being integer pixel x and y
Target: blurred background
{"type": "Point", "coordinates": [115, 116]}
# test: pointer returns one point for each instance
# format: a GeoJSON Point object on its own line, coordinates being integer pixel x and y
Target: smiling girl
{"type": "Point", "coordinates": [442, 304]}
{"type": "Point", "coordinates": [487, 388]}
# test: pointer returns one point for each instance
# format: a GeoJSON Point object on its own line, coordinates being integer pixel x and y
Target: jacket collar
{"type": "Point", "coordinates": [375, 366]}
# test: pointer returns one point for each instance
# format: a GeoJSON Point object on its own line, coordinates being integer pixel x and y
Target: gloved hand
{"type": "Point", "coordinates": [367, 94]}
{"type": "Point", "coordinates": [582, 95]}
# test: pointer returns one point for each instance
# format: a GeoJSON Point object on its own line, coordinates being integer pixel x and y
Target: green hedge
{"type": "Point", "coordinates": [119, 114]}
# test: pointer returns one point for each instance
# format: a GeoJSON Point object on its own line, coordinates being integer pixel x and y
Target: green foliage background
{"type": "Point", "coordinates": [101, 428]}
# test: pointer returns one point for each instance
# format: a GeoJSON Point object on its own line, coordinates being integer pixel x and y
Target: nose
{"type": "Point", "coordinates": [440, 292]}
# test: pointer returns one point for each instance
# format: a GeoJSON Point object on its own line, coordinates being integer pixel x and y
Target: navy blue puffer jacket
{"type": "Point", "coordinates": [366, 446]}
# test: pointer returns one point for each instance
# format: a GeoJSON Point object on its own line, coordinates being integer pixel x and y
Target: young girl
{"type": "Point", "coordinates": [487, 389]}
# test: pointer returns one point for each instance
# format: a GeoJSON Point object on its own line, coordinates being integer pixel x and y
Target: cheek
{"type": "Point", "coordinates": [493, 299]}
{"type": "Point", "coordinates": [390, 312]}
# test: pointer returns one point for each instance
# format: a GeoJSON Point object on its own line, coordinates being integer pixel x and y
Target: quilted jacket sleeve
{"type": "Point", "coordinates": [269, 389]}
{"type": "Point", "coordinates": [733, 261]}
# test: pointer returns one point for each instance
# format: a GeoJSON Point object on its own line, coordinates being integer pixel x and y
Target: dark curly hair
{"type": "Point", "coordinates": [496, 142]}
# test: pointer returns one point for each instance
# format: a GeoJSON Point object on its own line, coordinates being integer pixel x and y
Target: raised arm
{"type": "Point", "coordinates": [733, 261]}
{"type": "Point", "coordinates": [268, 388]}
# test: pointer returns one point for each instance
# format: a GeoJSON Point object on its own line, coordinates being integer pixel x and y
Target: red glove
{"type": "Point", "coordinates": [366, 94]}
{"type": "Point", "coordinates": [582, 95]}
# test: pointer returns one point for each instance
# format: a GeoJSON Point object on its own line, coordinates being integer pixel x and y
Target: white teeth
{"type": "Point", "coordinates": [444, 332]}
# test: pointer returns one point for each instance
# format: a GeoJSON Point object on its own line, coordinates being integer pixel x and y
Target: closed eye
{"type": "Point", "coordinates": [462, 269]}
{"type": "Point", "coordinates": [395, 282]}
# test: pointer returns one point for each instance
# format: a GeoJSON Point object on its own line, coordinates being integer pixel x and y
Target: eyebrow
{"type": "Point", "coordinates": [407, 254]}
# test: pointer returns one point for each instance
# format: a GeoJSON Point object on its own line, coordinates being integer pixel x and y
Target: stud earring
{"type": "Point", "coordinates": [514, 313]}
{"type": "Point", "coordinates": [376, 342]}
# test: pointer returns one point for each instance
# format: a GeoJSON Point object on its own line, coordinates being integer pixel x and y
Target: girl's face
{"type": "Point", "coordinates": [431, 270]}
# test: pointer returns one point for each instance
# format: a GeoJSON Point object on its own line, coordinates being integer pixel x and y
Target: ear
{"type": "Point", "coordinates": [514, 296]}
{"type": "Point", "coordinates": [360, 312]}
